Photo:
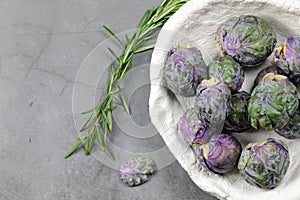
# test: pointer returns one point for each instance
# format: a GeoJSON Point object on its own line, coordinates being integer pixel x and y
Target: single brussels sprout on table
{"type": "Point", "coordinates": [248, 39]}
{"type": "Point", "coordinates": [222, 153]}
{"type": "Point", "coordinates": [226, 69]}
{"type": "Point", "coordinates": [137, 170]}
{"type": "Point", "coordinates": [273, 102]}
{"type": "Point", "coordinates": [263, 72]}
{"type": "Point", "coordinates": [287, 57]}
{"type": "Point", "coordinates": [237, 120]}
{"type": "Point", "coordinates": [212, 101]}
{"type": "Point", "coordinates": [264, 164]}
{"type": "Point", "coordinates": [184, 70]}
{"type": "Point", "coordinates": [193, 129]}
{"type": "Point", "coordinates": [292, 129]}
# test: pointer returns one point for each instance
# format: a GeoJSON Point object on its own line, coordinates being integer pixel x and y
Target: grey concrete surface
{"type": "Point", "coordinates": [43, 44]}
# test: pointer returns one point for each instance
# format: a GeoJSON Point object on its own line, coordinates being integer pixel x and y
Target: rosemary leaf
{"type": "Point", "coordinates": [114, 36]}
{"type": "Point", "coordinates": [117, 101]}
{"type": "Point", "coordinates": [124, 102]}
{"type": "Point", "coordinates": [114, 54]}
{"type": "Point", "coordinates": [145, 48]}
{"type": "Point", "coordinates": [86, 150]}
{"type": "Point", "coordinates": [144, 18]}
{"type": "Point", "coordinates": [89, 121]}
{"type": "Point", "coordinates": [111, 71]}
{"type": "Point", "coordinates": [88, 111]}
{"type": "Point", "coordinates": [108, 153]}
{"type": "Point", "coordinates": [73, 149]}
{"type": "Point", "coordinates": [98, 138]}
{"type": "Point", "coordinates": [106, 120]}
{"type": "Point", "coordinates": [92, 140]}
{"type": "Point", "coordinates": [105, 134]}
{"type": "Point", "coordinates": [111, 108]}
{"type": "Point", "coordinates": [109, 116]}
{"type": "Point", "coordinates": [127, 39]}
{"type": "Point", "coordinates": [91, 110]}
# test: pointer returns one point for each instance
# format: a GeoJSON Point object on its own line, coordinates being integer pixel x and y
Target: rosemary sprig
{"type": "Point", "coordinates": [100, 122]}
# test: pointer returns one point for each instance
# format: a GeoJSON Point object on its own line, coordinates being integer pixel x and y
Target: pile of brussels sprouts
{"type": "Point", "coordinates": [221, 108]}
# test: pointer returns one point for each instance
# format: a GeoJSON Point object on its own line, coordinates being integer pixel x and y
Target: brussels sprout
{"type": "Point", "coordinates": [194, 130]}
{"type": "Point", "coordinates": [226, 69]}
{"type": "Point", "coordinates": [263, 72]}
{"type": "Point", "coordinates": [264, 164]}
{"type": "Point", "coordinates": [184, 70]}
{"type": "Point", "coordinates": [273, 102]}
{"type": "Point", "coordinates": [222, 153]}
{"type": "Point", "coordinates": [292, 129]}
{"type": "Point", "coordinates": [287, 57]}
{"type": "Point", "coordinates": [247, 39]}
{"type": "Point", "coordinates": [238, 116]}
{"type": "Point", "coordinates": [137, 170]}
{"type": "Point", "coordinates": [212, 101]}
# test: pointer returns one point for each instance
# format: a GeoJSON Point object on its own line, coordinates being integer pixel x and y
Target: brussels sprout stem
{"type": "Point", "coordinates": [272, 76]}
{"type": "Point", "coordinates": [211, 82]}
{"type": "Point", "coordinates": [280, 51]}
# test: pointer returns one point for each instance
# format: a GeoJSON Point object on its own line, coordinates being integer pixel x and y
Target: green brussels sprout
{"type": "Point", "coordinates": [212, 101]}
{"type": "Point", "coordinates": [222, 153]}
{"type": "Point", "coordinates": [226, 69]}
{"type": "Point", "coordinates": [287, 57]}
{"type": "Point", "coordinates": [184, 70]}
{"type": "Point", "coordinates": [237, 120]}
{"type": "Point", "coordinates": [264, 164]}
{"type": "Point", "coordinates": [193, 129]}
{"type": "Point", "coordinates": [137, 170]}
{"type": "Point", "coordinates": [248, 39]}
{"type": "Point", "coordinates": [263, 72]}
{"type": "Point", "coordinates": [273, 102]}
{"type": "Point", "coordinates": [292, 129]}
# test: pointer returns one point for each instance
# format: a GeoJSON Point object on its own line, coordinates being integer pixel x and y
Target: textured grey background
{"type": "Point", "coordinates": [42, 45]}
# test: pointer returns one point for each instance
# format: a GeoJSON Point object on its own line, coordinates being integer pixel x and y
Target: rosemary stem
{"type": "Point", "coordinates": [101, 115]}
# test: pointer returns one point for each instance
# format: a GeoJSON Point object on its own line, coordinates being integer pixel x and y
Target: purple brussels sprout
{"type": "Point", "coordinates": [287, 57]}
{"type": "Point", "coordinates": [264, 164]}
{"type": "Point", "coordinates": [222, 153]}
{"type": "Point", "coordinates": [271, 69]}
{"type": "Point", "coordinates": [193, 129]}
{"type": "Point", "coordinates": [273, 102]}
{"type": "Point", "coordinates": [248, 39]}
{"type": "Point", "coordinates": [237, 119]}
{"type": "Point", "coordinates": [292, 129]}
{"type": "Point", "coordinates": [226, 69]}
{"type": "Point", "coordinates": [184, 70]}
{"type": "Point", "coordinates": [212, 102]}
{"type": "Point", "coordinates": [137, 170]}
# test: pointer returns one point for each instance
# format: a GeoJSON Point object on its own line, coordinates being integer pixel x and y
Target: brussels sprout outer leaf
{"type": "Point", "coordinates": [247, 39]}
{"type": "Point", "coordinates": [292, 129]}
{"type": "Point", "coordinates": [227, 70]}
{"type": "Point", "coordinates": [194, 130]}
{"type": "Point", "coordinates": [273, 102]}
{"type": "Point", "coordinates": [264, 164]}
{"type": "Point", "coordinates": [222, 153]}
{"type": "Point", "coordinates": [137, 170]}
{"type": "Point", "coordinates": [212, 102]}
{"type": "Point", "coordinates": [263, 72]}
{"type": "Point", "coordinates": [287, 57]}
{"type": "Point", "coordinates": [184, 70]}
{"type": "Point", "coordinates": [238, 116]}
